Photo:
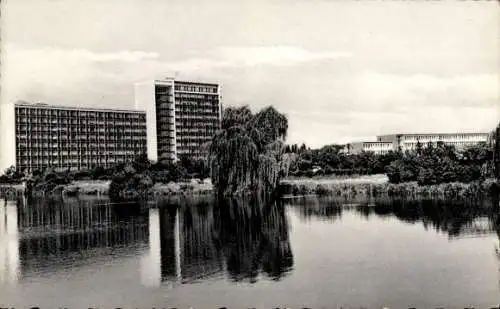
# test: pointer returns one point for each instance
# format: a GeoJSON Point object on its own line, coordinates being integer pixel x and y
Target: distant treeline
{"type": "Point", "coordinates": [429, 164]}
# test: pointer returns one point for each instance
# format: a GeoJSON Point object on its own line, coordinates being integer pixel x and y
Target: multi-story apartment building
{"type": "Point", "coordinates": [71, 137]}
{"type": "Point", "coordinates": [375, 147]}
{"type": "Point", "coordinates": [409, 141]}
{"type": "Point", "coordinates": [182, 116]}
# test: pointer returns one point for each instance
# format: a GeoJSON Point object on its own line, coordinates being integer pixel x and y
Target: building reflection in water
{"type": "Point", "coordinates": [9, 242]}
{"type": "Point", "coordinates": [190, 240]}
{"type": "Point", "coordinates": [46, 236]}
{"type": "Point", "coordinates": [151, 263]}
{"type": "Point", "coordinates": [163, 261]}
{"type": "Point", "coordinates": [200, 241]}
{"type": "Point", "coordinates": [181, 242]}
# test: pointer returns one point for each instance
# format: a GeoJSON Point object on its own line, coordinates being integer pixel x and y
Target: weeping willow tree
{"type": "Point", "coordinates": [247, 155]}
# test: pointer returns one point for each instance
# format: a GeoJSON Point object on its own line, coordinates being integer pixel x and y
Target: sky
{"type": "Point", "coordinates": [341, 71]}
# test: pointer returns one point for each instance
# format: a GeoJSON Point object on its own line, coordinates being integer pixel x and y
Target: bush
{"type": "Point", "coordinates": [321, 190]}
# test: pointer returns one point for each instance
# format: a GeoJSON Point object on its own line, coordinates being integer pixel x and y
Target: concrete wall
{"type": "Point", "coordinates": [145, 100]}
{"type": "Point", "coordinates": [7, 136]}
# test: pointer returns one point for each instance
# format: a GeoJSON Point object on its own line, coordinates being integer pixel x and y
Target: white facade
{"type": "Point", "coordinates": [410, 141]}
{"type": "Point", "coordinates": [374, 147]}
{"type": "Point", "coordinates": [145, 99]}
{"type": "Point", "coordinates": [7, 136]}
{"type": "Point", "coordinates": [403, 142]}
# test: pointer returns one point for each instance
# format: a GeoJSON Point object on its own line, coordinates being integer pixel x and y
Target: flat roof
{"type": "Point", "coordinates": [190, 82]}
{"type": "Point", "coordinates": [447, 134]}
{"type": "Point", "coordinates": [370, 142]}
{"type": "Point", "coordinates": [197, 83]}
{"type": "Point", "coordinates": [170, 80]}
{"type": "Point", "coordinates": [77, 108]}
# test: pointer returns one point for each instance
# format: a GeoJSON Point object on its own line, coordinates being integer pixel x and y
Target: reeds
{"type": "Point", "coordinates": [86, 187]}
{"type": "Point", "coordinates": [410, 190]}
{"type": "Point", "coordinates": [182, 188]}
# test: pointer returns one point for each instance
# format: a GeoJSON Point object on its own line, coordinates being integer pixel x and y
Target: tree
{"type": "Point", "coordinates": [247, 155]}
{"type": "Point", "coordinates": [418, 147]}
{"type": "Point", "coordinates": [496, 152]}
{"type": "Point", "coordinates": [302, 148]}
{"type": "Point", "coordinates": [11, 175]}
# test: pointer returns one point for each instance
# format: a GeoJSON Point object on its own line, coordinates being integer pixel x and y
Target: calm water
{"type": "Point", "coordinates": [306, 252]}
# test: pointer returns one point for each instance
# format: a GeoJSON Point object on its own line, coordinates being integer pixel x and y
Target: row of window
{"type": "Point", "coordinates": [377, 145]}
{"type": "Point", "coordinates": [203, 103]}
{"type": "Point", "coordinates": [66, 113]}
{"type": "Point", "coordinates": [76, 134]}
{"type": "Point", "coordinates": [75, 123]}
{"type": "Point", "coordinates": [197, 125]}
{"type": "Point", "coordinates": [454, 143]}
{"type": "Point", "coordinates": [198, 111]}
{"type": "Point", "coordinates": [192, 88]}
{"type": "Point", "coordinates": [74, 165]}
{"type": "Point", "coordinates": [446, 137]}
{"type": "Point", "coordinates": [33, 150]}
{"type": "Point", "coordinates": [181, 96]}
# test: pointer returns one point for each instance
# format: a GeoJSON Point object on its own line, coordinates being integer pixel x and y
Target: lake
{"type": "Point", "coordinates": [300, 252]}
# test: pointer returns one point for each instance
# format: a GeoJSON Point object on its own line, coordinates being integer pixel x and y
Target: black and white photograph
{"type": "Point", "coordinates": [189, 154]}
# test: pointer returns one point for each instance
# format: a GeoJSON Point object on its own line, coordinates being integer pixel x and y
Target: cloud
{"type": "Point", "coordinates": [477, 90]}
{"type": "Point", "coordinates": [275, 55]}
{"type": "Point", "coordinates": [251, 56]}
{"type": "Point", "coordinates": [50, 73]}
{"type": "Point", "coordinates": [49, 53]}
{"type": "Point", "coordinates": [124, 56]}
{"type": "Point", "coordinates": [330, 93]}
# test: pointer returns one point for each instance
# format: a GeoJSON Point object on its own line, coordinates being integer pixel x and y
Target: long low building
{"type": "Point", "coordinates": [403, 142]}
{"type": "Point", "coordinates": [375, 147]}
{"type": "Point", "coordinates": [409, 141]}
{"type": "Point", "coordinates": [38, 136]}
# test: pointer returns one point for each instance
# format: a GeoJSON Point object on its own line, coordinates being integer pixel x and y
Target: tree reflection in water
{"type": "Point", "coordinates": [253, 237]}
{"type": "Point", "coordinates": [242, 238]}
{"type": "Point", "coordinates": [457, 218]}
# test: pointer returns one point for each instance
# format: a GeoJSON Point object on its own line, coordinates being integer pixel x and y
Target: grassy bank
{"type": "Point", "coordinates": [87, 187]}
{"type": "Point", "coordinates": [193, 187]}
{"type": "Point", "coordinates": [101, 187]}
{"type": "Point", "coordinates": [361, 187]}
{"type": "Point", "coordinates": [378, 186]}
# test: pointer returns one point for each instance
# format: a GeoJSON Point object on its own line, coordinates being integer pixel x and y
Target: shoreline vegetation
{"type": "Point", "coordinates": [248, 156]}
{"type": "Point", "coordinates": [347, 188]}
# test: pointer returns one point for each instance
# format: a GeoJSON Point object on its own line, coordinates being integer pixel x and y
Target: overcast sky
{"type": "Point", "coordinates": [341, 70]}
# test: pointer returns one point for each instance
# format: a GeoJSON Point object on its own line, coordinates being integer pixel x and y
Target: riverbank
{"type": "Point", "coordinates": [199, 187]}
{"type": "Point", "coordinates": [367, 187]}
{"type": "Point", "coordinates": [358, 187]}
{"type": "Point", "coordinates": [99, 187]}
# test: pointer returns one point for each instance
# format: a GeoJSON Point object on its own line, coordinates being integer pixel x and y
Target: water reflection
{"type": "Point", "coordinates": [254, 238]}
{"type": "Point", "coordinates": [193, 241]}
{"type": "Point", "coordinates": [187, 241]}
{"type": "Point", "coordinates": [9, 242]}
{"type": "Point", "coordinates": [46, 236]}
{"type": "Point", "coordinates": [458, 219]}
